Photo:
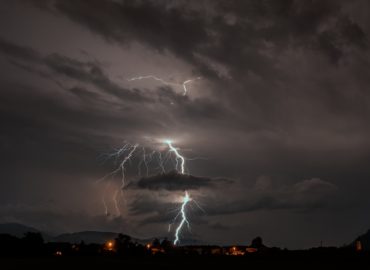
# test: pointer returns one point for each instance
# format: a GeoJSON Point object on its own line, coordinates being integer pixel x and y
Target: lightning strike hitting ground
{"type": "Point", "coordinates": [186, 199]}
{"type": "Point", "coordinates": [184, 219]}
{"type": "Point", "coordinates": [130, 151]}
{"type": "Point", "coordinates": [183, 84]}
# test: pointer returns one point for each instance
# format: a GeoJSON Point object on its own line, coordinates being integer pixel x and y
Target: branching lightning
{"type": "Point", "coordinates": [128, 152]}
{"type": "Point", "coordinates": [121, 168]}
{"type": "Point", "coordinates": [125, 154]}
{"type": "Point", "coordinates": [178, 156]}
{"type": "Point", "coordinates": [185, 200]}
{"type": "Point", "coordinates": [116, 202]}
{"type": "Point", "coordinates": [186, 82]}
{"type": "Point", "coordinates": [183, 84]}
{"type": "Point", "coordinates": [184, 219]}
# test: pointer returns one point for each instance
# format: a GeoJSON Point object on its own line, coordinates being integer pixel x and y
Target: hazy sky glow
{"type": "Point", "coordinates": [280, 116]}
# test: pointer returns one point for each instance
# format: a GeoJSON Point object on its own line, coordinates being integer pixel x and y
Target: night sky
{"type": "Point", "coordinates": [276, 131]}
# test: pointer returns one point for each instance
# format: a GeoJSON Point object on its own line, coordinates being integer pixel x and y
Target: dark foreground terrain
{"type": "Point", "coordinates": [32, 252]}
{"type": "Point", "coordinates": [291, 261]}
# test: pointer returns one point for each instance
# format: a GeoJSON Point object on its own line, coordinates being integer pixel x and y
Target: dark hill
{"type": "Point", "coordinates": [16, 229]}
{"type": "Point", "coordinates": [87, 236]}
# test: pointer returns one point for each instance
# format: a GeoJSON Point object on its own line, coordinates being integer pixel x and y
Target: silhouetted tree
{"type": "Point", "coordinates": [156, 243]}
{"type": "Point", "coordinates": [166, 245]}
{"type": "Point", "coordinates": [124, 245]}
{"type": "Point", "coordinates": [257, 242]}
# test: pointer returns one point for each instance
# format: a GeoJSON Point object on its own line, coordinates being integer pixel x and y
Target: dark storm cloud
{"type": "Point", "coordinates": [284, 93]}
{"type": "Point", "coordinates": [84, 94]}
{"type": "Point", "coordinates": [44, 115]}
{"type": "Point", "coordinates": [150, 22]}
{"type": "Point", "coordinates": [299, 24]}
{"type": "Point", "coordinates": [93, 115]}
{"type": "Point", "coordinates": [219, 227]}
{"type": "Point", "coordinates": [155, 211]}
{"type": "Point", "coordinates": [173, 181]}
{"type": "Point", "coordinates": [148, 204]}
{"type": "Point", "coordinates": [56, 67]}
{"type": "Point", "coordinates": [188, 109]}
{"type": "Point", "coordinates": [21, 52]}
{"type": "Point", "coordinates": [249, 39]}
{"type": "Point", "coordinates": [306, 195]}
{"type": "Point", "coordinates": [89, 72]}
{"type": "Point", "coordinates": [232, 32]}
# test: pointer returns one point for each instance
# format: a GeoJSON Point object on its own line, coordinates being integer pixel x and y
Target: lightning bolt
{"type": "Point", "coordinates": [183, 84]}
{"type": "Point", "coordinates": [122, 164]}
{"type": "Point", "coordinates": [160, 162]}
{"type": "Point", "coordinates": [129, 149]}
{"type": "Point", "coordinates": [103, 200]}
{"type": "Point", "coordinates": [185, 200]}
{"type": "Point", "coordinates": [121, 168]}
{"type": "Point", "coordinates": [184, 219]}
{"type": "Point", "coordinates": [124, 154]}
{"type": "Point", "coordinates": [186, 82]}
{"type": "Point", "coordinates": [116, 203]}
{"type": "Point", "coordinates": [178, 156]}
{"type": "Point", "coordinates": [121, 157]}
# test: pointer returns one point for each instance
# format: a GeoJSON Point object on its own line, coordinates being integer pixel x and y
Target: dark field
{"type": "Point", "coordinates": [291, 261]}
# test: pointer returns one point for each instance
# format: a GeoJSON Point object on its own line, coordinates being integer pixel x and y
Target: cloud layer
{"type": "Point", "coordinates": [174, 181]}
{"type": "Point", "coordinates": [283, 97]}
